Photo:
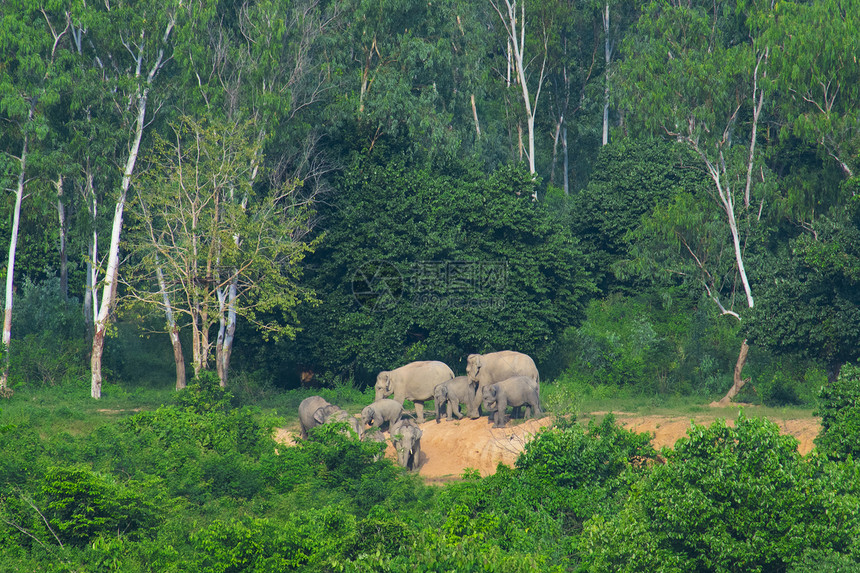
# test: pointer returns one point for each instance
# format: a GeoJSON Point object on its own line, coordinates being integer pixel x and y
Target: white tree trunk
{"type": "Point", "coordinates": [109, 288]}
{"type": "Point", "coordinates": [10, 263]}
{"type": "Point", "coordinates": [566, 168]}
{"type": "Point", "coordinates": [515, 26]}
{"type": "Point", "coordinates": [64, 264]}
{"type": "Point", "coordinates": [112, 271]}
{"type": "Point", "coordinates": [607, 51]}
{"type": "Point", "coordinates": [172, 328]}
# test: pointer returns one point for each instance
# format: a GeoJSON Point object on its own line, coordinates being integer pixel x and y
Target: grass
{"type": "Point", "coordinates": [70, 409]}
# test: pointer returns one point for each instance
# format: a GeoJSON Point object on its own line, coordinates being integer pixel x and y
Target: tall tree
{"type": "Point", "coordinates": [32, 40]}
{"type": "Point", "coordinates": [699, 76]}
{"type": "Point", "coordinates": [131, 42]}
{"type": "Point", "coordinates": [209, 247]}
{"type": "Point", "coordinates": [815, 66]}
{"type": "Point", "coordinates": [530, 82]}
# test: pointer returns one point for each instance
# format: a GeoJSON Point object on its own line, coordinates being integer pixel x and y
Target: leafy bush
{"type": "Point", "coordinates": [48, 347]}
{"type": "Point", "coordinates": [204, 394]}
{"type": "Point", "coordinates": [306, 541]}
{"type": "Point", "coordinates": [434, 263]}
{"type": "Point", "coordinates": [729, 499]}
{"type": "Point", "coordinates": [81, 505]}
{"type": "Point", "coordinates": [570, 456]}
{"type": "Point", "coordinates": [840, 415]}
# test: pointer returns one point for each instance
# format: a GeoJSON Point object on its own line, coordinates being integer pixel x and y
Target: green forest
{"type": "Point", "coordinates": [215, 209]}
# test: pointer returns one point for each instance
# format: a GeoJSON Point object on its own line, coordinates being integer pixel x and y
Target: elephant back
{"type": "Point", "coordinates": [418, 380]}
{"type": "Point", "coordinates": [498, 366]}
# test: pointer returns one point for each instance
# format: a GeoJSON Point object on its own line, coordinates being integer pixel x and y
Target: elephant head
{"type": "Point", "coordinates": [440, 397]}
{"type": "Point", "coordinates": [473, 367]}
{"type": "Point", "coordinates": [489, 397]}
{"type": "Point", "coordinates": [367, 415]}
{"type": "Point", "coordinates": [406, 439]}
{"type": "Point", "coordinates": [383, 385]}
{"type": "Point", "coordinates": [321, 415]}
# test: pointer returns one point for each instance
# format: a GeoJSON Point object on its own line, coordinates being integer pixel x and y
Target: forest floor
{"type": "Point", "coordinates": [449, 448]}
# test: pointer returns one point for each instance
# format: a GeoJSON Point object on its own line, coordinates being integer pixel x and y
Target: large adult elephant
{"type": "Point", "coordinates": [414, 381]}
{"type": "Point", "coordinates": [406, 438]}
{"type": "Point", "coordinates": [486, 369]}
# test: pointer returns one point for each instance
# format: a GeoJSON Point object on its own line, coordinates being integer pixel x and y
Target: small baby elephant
{"type": "Point", "coordinates": [406, 438]}
{"type": "Point", "coordinates": [385, 411]}
{"type": "Point", "coordinates": [451, 394]}
{"type": "Point", "coordinates": [516, 391]}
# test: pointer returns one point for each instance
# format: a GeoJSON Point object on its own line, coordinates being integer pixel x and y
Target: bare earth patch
{"type": "Point", "coordinates": [449, 448]}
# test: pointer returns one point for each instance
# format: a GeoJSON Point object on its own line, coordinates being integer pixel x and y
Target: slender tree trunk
{"type": "Point", "coordinates": [566, 168]}
{"type": "Point", "coordinates": [5, 391]}
{"type": "Point", "coordinates": [111, 274]}
{"type": "Point", "coordinates": [90, 295]}
{"type": "Point", "coordinates": [227, 332]}
{"type": "Point", "coordinates": [112, 271]}
{"type": "Point", "coordinates": [739, 382]}
{"type": "Point", "coordinates": [172, 328]}
{"type": "Point", "coordinates": [475, 117]}
{"type": "Point", "coordinates": [555, 138]}
{"type": "Point", "coordinates": [607, 50]}
{"type": "Point", "coordinates": [64, 263]}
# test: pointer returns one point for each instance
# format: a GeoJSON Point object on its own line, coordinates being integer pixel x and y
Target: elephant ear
{"type": "Point", "coordinates": [319, 416]}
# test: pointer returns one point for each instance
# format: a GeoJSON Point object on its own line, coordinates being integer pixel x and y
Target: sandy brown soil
{"type": "Point", "coordinates": [449, 448]}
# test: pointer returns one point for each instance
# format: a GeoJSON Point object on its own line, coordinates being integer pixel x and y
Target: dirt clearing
{"type": "Point", "coordinates": [448, 448]}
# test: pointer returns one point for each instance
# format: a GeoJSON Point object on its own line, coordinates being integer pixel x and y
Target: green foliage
{"type": "Point", "coordinates": [651, 345]}
{"type": "Point", "coordinates": [729, 499]}
{"type": "Point", "coordinates": [570, 456]}
{"type": "Point", "coordinates": [330, 459]}
{"type": "Point", "coordinates": [809, 301]}
{"type": "Point", "coordinates": [420, 264]}
{"type": "Point", "coordinates": [81, 505]}
{"type": "Point", "coordinates": [839, 408]}
{"type": "Point", "coordinates": [306, 541]}
{"type": "Point", "coordinates": [48, 347]}
{"type": "Point", "coordinates": [629, 179]}
{"type": "Point", "coordinates": [204, 394]}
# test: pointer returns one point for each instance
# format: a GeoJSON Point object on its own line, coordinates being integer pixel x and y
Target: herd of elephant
{"type": "Point", "coordinates": [493, 382]}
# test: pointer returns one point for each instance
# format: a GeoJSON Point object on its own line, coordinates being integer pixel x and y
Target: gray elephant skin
{"type": "Point", "coordinates": [316, 411]}
{"type": "Point", "coordinates": [486, 369]}
{"type": "Point", "coordinates": [414, 381]}
{"type": "Point", "coordinates": [451, 394]}
{"type": "Point", "coordinates": [516, 391]}
{"type": "Point", "coordinates": [385, 411]}
{"type": "Point", "coordinates": [406, 438]}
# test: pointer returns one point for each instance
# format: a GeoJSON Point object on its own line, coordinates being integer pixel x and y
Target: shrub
{"type": "Point", "coordinates": [306, 541]}
{"type": "Point", "coordinates": [840, 415]}
{"type": "Point", "coordinates": [204, 394]}
{"type": "Point", "coordinates": [570, 456]}
{"type": "Point", "coordinates": [729, 499]}
{"type": "Point", "coordinates": [81, 505]}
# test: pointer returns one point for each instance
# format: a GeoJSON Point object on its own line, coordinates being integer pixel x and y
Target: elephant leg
{"type": "Point", "coordinates": [419, 411]}
{"type": "Point", "coordinates": [501, 410]}
{"type": "Point", "coordinates": [455, 406]}
{"type": "Point", "coordinates": [448, 410]}
{"type": "Point", "coordinates": [517, 412]}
